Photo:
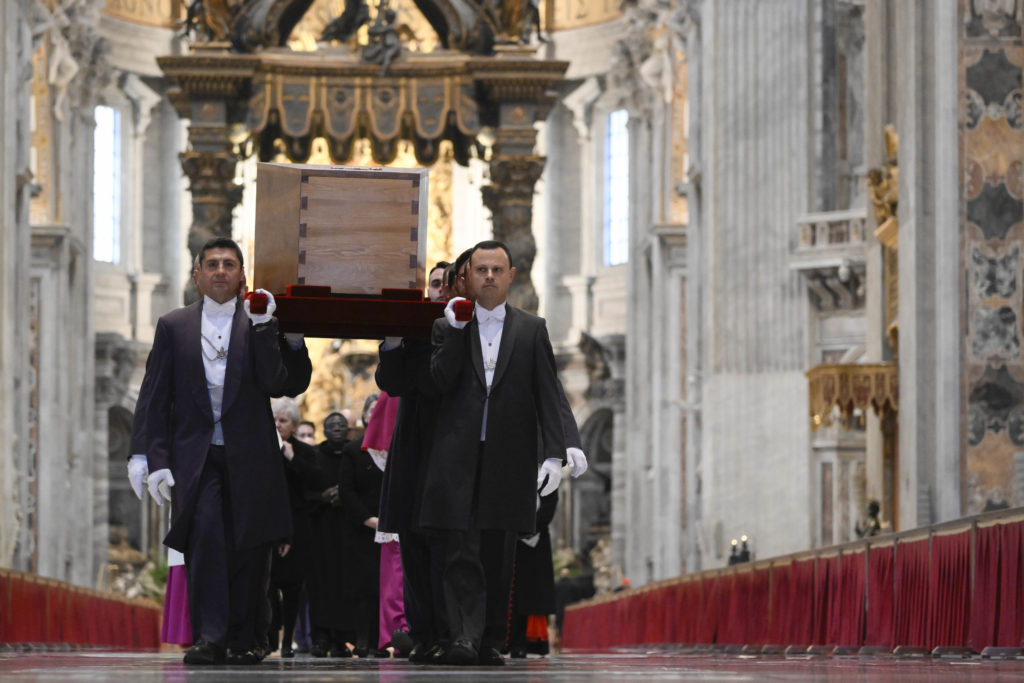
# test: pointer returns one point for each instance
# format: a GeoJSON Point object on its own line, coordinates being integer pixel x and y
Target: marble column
{"type": "Point", "coordinates": [514, 173]}
{"type": "Point", "coordinates": [16, 48]}
{"type": "Point", "coordinates": [210, 163]}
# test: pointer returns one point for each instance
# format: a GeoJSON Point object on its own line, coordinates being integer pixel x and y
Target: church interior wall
{"type": "Point", "coordinates": [16, 456]}
{"type": "Point", "coordinates": [695, 349]}
{"type": "Point", "coordinates": [757, 171]}
{"type": "Point", "coordinates": [980, 320]}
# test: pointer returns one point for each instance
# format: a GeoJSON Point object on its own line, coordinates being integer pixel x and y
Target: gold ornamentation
{"type": "Point", "coordinates": [165, 13]}
{"type": "Point", "coordinates": [883, 189]}
{"type": "Point", "coordinates": [851, 387]}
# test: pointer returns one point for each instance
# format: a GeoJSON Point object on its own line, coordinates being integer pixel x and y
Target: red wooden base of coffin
{"type": "Point", "coordinates": [316, 312]}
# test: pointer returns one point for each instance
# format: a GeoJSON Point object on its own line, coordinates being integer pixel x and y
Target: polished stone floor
{"type": "Point", "coordinates": [666, 664]}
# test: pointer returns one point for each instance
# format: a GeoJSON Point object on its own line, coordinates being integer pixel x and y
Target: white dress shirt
{"type": "Point", "coordinates": [216, 339]}
{"type": "Point", "coordinates": [490, 324]}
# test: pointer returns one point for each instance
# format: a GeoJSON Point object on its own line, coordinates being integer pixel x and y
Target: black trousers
{"type": "Point", "coordinates": [222, 580]}
{"type": "Point", "coordinates": [422, 569]}
{"type": "Point", "coordinates": [477, 577]}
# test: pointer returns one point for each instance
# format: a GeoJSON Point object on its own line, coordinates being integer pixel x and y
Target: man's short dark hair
{"type": "Point", "coordinates": [461, 261]}
{"type": "Point", "coordinates": [307, 422]}
{"type": "Point", "coordinates": [221, 243]}
{"type": "Point", "coordinates": [439, 264]}
{"type": "Point", "coordinates": [489, 245]}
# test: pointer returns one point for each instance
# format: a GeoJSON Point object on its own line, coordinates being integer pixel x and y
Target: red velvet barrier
{"type": "Point", "coordinates": [708, 624]}
{"type": "Point", "coordinates": [949, 586]}
{"type": "Point", "coordinates": [730, 609]}
{"type": "Point", "coordinates": [1011, 614]}
{"type": "Point", "coordinates": [985, 597]}
{"type": "Point", "coordinates": [996, 605]}
{"type": "Point", "coordinates": [688, 604]}
{"type": "Point", "coordinates": [826, 577]}
{"type": "Point", "coordinates": [879, 618]}
{"type": "Point", "coordinates": [911, 594]}
{"type": "Point", "coordinates": [38, 610]}
{"type": "Point", "coordinates": [781, 594]}
{"type": "Point", "coordinates": [846, 618]}
{"type": "Point", "coordinates": [960, 584]}
{"type": "Point", "coordinates": [759, 606]}
{"type": "Point", "coordinates": [792, 614]}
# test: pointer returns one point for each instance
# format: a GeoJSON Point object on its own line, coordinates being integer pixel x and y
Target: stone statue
{"type": "Point", "coordinates": [248, 24]}
{"type": "Point", "coordinates": [342, 28]}
{"type": "Point", "coordinates": [384, 45]}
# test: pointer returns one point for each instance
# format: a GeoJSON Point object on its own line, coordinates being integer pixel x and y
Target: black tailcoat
{"type": "Point", "coordinates": [404, 372]}
{"type": "Point", "coordinates": [300, 473]}
{"type": "Point", "coordinates": [360, 492]}
{"type": "Point", "coordinates": [535, 575]}
{"type": "Point", "coordinates": [179, 423]}
{"type": "Point", "coordinates": [523, 411]}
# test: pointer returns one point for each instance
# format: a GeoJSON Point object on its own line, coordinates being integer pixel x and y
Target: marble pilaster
{"type": "Point", "coordinates": [17, 539]}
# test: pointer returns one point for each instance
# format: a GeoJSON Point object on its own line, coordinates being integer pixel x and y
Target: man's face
{"type": "Point", "coordinates": [335, 428]}
{"type": "Point", "coordinates": [489, 277]}
{"type": "Point", "coordinates": [285, 426]}
{"type": "Point", "coordinates": [220, 275]}
{"type": "Point", "coordinates": [435, 287]}
{"type": "Point", "coordinates": [460, 284]}
{"type": "Point", "coordinates": [306, 434]}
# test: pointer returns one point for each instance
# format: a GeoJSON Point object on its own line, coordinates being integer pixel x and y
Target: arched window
{"type": "Point", "coordinates": [616, 188]}
{"type": "Point", "coordinates": [106, 186]}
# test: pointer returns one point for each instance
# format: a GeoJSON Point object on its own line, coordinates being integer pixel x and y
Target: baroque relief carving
{"type": "Point", "coordinates": [644, 62]}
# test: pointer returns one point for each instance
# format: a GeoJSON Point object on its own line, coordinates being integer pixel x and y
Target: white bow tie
{"type": "Point", "coordinates": [497, 315]}
{"type": "Point", "coordinates": [211, 307]}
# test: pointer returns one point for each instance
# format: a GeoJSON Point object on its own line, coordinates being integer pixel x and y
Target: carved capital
{"type": "Point", "coordinates": [510, 200]}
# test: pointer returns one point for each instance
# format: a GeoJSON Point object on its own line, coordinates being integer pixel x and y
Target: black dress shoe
{"type": "Point", "coordinates": [438, 654]}
{"type": "Point", "coordinates": [518, 653]}
{"type": "Point", "coordinates": [462, 653]}
{"type": "Point", "coordinates": [361, 652]}
{"type": "Point", "coordinates": [381, 653]}
{"type": "Point", "coordinates": [491, 657]}
{"type": "Point", "coordinates": [318, 650]}
{"type": "Point", "coordinates": [402, 642]}
{"type": "Point", "coordinates": [341, 651]}
{"type": "Point", "coordinates": [287, 654]}
{"type": "Point", "coordinates": [242, 657]}
{"type": "Point", "coordinates": [420, 653]}
{"type": "Point", "coordinates": [204, 653]}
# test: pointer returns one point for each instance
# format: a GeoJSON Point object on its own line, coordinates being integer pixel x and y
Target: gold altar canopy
{"type": "Point", "coordinates": [245, 93]}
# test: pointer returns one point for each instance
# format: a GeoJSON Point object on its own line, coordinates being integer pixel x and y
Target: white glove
{"type": "Point", "coordinates": [549, 476]}
{"type": "Point", "coordinates": [160, 483]}
{"type": "Point", "coordinates": [449, 314]}
{"type": "Point", "coordinates": [577, 461]}
{"type": "Point", "coordinates": [138, 469]}
{"type": "Point", "coordinates": [294, 339]}
{"type": "Point", "coordinates": [391, 343]}
{"type": "Point", "coordinates": [261, 318]}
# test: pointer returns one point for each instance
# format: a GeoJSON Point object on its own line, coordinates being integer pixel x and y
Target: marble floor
{"type": "Point", "coordinates": [665, 664]}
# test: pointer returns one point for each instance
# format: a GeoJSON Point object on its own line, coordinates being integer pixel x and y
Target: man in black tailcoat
{"type": "Point", "coordinates": [404, 371]}
{"type": "Point", "coordinates": [211, 446]}
{"type": "Point", "coordinates": [499, 389]}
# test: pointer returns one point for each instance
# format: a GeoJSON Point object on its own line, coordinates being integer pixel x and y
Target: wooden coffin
{"type": "Point", "coordinates": [343, 249]}
{"type": "Point", "coordinates": [355, 230]}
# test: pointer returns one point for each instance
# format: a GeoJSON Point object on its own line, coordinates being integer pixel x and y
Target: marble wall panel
{"type": "Point", "coordinates": [992, 211]}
